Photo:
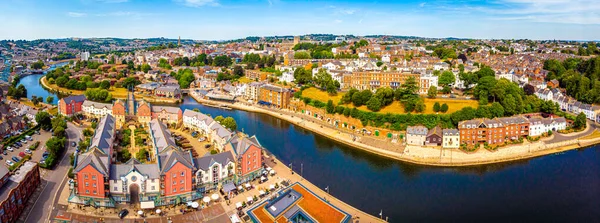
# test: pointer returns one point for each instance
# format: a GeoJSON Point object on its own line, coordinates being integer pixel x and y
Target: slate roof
{"type": "Point", "coordinates": [168, 109]}
{"type": "Point", "coordinates": [450, 132]}
{"type": "Point", "coordinates": [76, 98]}
{"type": "Point", "coordinates": [104, 136]}
{"type": "Point", "coordinates": [174, 156]}
{"type": "Point", "coordinates": [221, 131]}
{"type": "Point", "coordinates": [274, 88]}
{"type": "Point", "coordinates": [88, 103]}
{"type": "Point", "coordinates": [204, 163]}
{"type": "Point", "coordinates": [417, 130]}
{"type": "Point", "coordinates": [435, 131]}
{"type": "Point", "coordinates": [161, 136]}
{"type": "Point", "coordinates": [239, 144]}
{"type": "Point", "coordinates": [119, 170]}
{"type": "Point", "coordinates": [94, 158]}
{"type": "Point", "coordinates": [205, 118]}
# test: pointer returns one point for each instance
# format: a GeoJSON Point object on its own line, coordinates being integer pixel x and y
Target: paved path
{"type": "Point", "coordinates": [56, 180]}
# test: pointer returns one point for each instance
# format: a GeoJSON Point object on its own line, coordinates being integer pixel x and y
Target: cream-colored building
{"type": "Point", "coordinates": [92, 109]}
{"type": "Point", "coordinates": [134, 178]}
{"type": "Point", "coordinates": [451, 138]}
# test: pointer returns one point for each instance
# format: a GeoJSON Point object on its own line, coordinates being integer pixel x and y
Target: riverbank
{"type": "Point", "coordinates": [427, 156]}
{"type": "Point", "coordinates": [117, 93]}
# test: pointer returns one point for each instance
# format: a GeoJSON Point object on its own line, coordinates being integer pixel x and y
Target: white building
{"type": "Point", "coordinates": [214, 170]}
{"type": "Point", "coordinates": [287, 77]}
{"type": "Point", "coordinates": [197, 121]}
{"type": "Point", "coordinates": [451, 138]}
{"type": "Point", "coordinates": [386, 58]}
{"type": "Point", "coordinates": [134, 177]}
{"type": "Point", "coordinates": [92, 109]}
{"type": "Point", "coordinates": [84, 56]}
{"type": "Point", "coordinates": [415, 135]}
{"type": "Point", "coordinates": [253, 91]}
{"type": "Point", "coordinates": [441, 66]}
{"type": "Point", "coordinates": [539, 126]}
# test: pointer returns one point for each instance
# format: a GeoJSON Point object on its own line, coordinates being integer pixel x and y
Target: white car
{"type": "Point", "coordinates": [9, 148]}
{"type": "Point", "coordinates": [10, 163]}
{"type": "Point", "coordinates": [27, 151]}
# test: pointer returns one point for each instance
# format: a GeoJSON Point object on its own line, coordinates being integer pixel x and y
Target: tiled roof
{"type": "Point", "coordinates": [205, 162]}
{"type": "Point", "coordinates": [104, 136]}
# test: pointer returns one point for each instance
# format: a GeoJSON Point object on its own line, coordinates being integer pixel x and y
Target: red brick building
{"type": "Point", "coordinates": [248, 153]}
{"type": "Point", "coordinates": [71, 105]}
{"type": "Point", "coordinates": [144, 112]}
{"type": "Point", "coordinates": [515, 127]}
{"type": "Point", "coordinates": [481, 131]}
{"type": "Point", "coordinates": [16, 189]}
{"type": "Point", "coordinates": [119, 112]}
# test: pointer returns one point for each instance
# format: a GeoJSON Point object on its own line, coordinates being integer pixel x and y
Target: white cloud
{"type": "Point", "coordinates": [272, 2]}
{"type": "Point", "coordinates": [337, 21]}
{"type": "Point", "coordinates": [76, 14]}
{"type": "Point", "coordinates": [198, 3]}
{"type": "Point", "coordinates": [125, 14]}
{"type": "Point", "coordinates": [422, 4]}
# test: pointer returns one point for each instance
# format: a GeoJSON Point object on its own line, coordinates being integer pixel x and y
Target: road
{"type": "Point", "coordinates": [558, 137]}
{"type": "Point", "coordinates": [56, 180]}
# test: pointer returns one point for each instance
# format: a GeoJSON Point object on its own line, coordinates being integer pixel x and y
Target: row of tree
{"type": "Point", "coordinates": [580, 78]}
{"type": "Point", "coordinates": [406, 94]}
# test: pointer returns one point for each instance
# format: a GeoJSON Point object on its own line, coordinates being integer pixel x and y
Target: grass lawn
{"type": "Point", "coordinates": [244, 80]}
{"type": "Point", "coordinates": [53, 111]}
{"type": "Point", "coordinates": [396, 107]}
{"type": "Point", "coordinates": [594, 135]}
{"type": "Point", "coordinates": [116, 92]}
{"type": "Point", "coordinates": [314, 93]}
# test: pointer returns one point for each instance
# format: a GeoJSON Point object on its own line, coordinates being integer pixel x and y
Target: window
{"type": "Point", "coordinates": [174, 190]}
{"type": "Point", "coordinates": [93, 177]}
{"type": "Point", "coordinates": [181, 182]}
{"type": "Point", "coordinates": [182, 173]}
{"type": "Point", "coordinates": [95, 192]}
{"type": "Point", "coordinates": [94, 185]}
{"type": "Point", "coordinates": [116, 189]}
{"type": "Point", "coordinates": [174, 182]}
{"type": "Point", "coordinates": [85, 176]}
{"type": "Point", "coordinates": [153, 188]}
{"type": "Point", "coordinates": [87, 184]}
{"type": "Point", "coordinates": [87, 191]}
{"type": "Point", "coordinates": [181, 189]}
{"type": "Point", "coordinates": [174, 175]}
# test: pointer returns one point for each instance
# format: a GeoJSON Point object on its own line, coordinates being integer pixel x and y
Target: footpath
{"type": "Point", "coordinates": [430, 156]}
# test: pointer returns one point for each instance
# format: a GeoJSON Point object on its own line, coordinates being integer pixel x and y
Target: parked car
{"type": "Point", "coordinates": [18, 144]}
{"type": "Point", "coordinates": [22, 154]}
{"type": "Point", "coordinates": [9, 149]}
{"type": "Point", "coordinates": [16, 159]}
{"type": "Point", "coordinates": [4, 152]}
{"type": "Point", "coordinates": [1, 158]}
{"type": "Point", "coordinates": [28, 151]}
{"type": "Point", "coordinates": [23, 141]}
{"type": "Point", "coordinates": [123, 213]}
{"type": "Point", "coordinates": [45, 155]}
{"type": "Point", "coordinates": [10, 163]}
{"type": "Point", "coordinates": [73, 144]}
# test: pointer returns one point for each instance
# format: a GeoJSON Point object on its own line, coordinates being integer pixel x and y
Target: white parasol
{"type": "Point", "coordinates": [238, 204]}
{"type": "Point", "coordinates": [140, 212]}
{"type": "Point", "coordinates": [249, 199]}
{"type": "Point", "coordinates": [195, 205]}
{"type": "Point", "coordinates": [206, 199]}
{"type": "Point", "coordinates": [158, 211]}
{"type": "Point", "coordinates": [215, 197]}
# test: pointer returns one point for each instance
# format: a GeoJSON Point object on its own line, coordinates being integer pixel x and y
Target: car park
{"type": "Point", "coordinates": [10, 163]}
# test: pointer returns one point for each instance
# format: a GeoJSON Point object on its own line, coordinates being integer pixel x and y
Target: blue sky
{"type": "Point", "coordinates": [227, 19]}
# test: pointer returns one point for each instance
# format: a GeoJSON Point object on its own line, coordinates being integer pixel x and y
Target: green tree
{"type": "Point", "coordinates": [238, 71]}
{"type": "Point", "coordinates": [374, 104]}
{"type": "Point", "coordinates": [44, 120]}
{"type": "Point", "coordinates": [125, 155]}
{"type": "Point", "coordinates": [302, 76]}
{"type": "Point", "coordinates": [330, 108]}
{"type": "Point", "coordinates": [436, 107]}
{"type": "Point", "coordinates": [222, 61]}
{"type": "Point", "coordinates": [145, 68]}
{"type": "Point", "coordinates": [142, 155]}
{"type": "Point", "coordinates": [432, 92]}
{"type": "Point", "coordinates": [580, 121]}
{"type": "Point", "coordinates": [446, 78]}
{"type": "Point", "coordinates": [229, 123]}
{"type": "Point", "coordinates": [49, 99]}
{"type": "Point", "coordinates": [302, 55]}
{"type": "Point", "coordinates": [444, 108]}
{"type": "Point", "coordinates": [105, 84]}
{"type": "Point", "coordinates": [37, 65]}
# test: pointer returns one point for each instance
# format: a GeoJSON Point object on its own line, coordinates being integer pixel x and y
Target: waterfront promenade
{"type": "Point", "coordinates": [431, 156]}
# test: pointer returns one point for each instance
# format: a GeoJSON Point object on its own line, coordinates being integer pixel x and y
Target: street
{"type": "Point", "coordinates": [56, 179]}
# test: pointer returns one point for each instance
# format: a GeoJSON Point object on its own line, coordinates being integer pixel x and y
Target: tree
{"type": "Point", "coordinates": [222, 61]}
{"type": "Point", "coordinates": [302, 55]}
{"type": "Point", "coordinates": [420, 105]}
{"type": "Point", "coordinates": [130, 82]}
{"type": "Point", "coordinates": [302, 76]}
{"type": "Point", "coordinates": [142, 155]}
{"type": "Point", "coordinates": [580, 121]}
{"type": "Point", "coordinates": [43, 119]}
{"type": "Point", "coordinates": [374, 104]}
{"type": "Point", "coordinates": [444, 108]}
{"type": "Point", "coordinates": [145, 68]}
{"type": "Point", "coordinates": [55, 145]}
{"type": "Point", "coordinates": [361, 98]}
{"type": "Point", "coordinates": [59, 131]}
{"type": "Point", "coordinates": [37, 65]}
{"type": "Point", "coordinates": [219, 119]}
{"type": "Point", "coordinates": [446, 78]}
{"type": "Point", "coordinates": [529, 89]}
{"type": "Point", "coordinates": [238, 71]}
{"type": "Point", "coordinates": [49, 99]}
{"type": "Point", "coordinates": [330, 108]}
{"type": "Point", "coordinates": [125, 155]}
{"type": "Point", "coordinates": [35, 100]}
{"type": "Point", "coordinates": [105, 84]}
{"type": "Point", "coordinates": [229, 123]}
{"type": "Point", "coordinates": [497, 110]}
{"type": "Point", "coordinates": [432, 92]}
{"type": "Point", "coordinates": [436, 107]}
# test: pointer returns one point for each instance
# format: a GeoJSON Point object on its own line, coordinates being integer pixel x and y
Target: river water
{"type": "Point", "coordinates": [557, 188]}
{"type": "Point", "coordinates": [34, 87]}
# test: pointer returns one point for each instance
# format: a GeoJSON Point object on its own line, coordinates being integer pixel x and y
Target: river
{"type": "Point", "coordinates": [34, 87]}
{"type": "Point", "coordinates": [555, 188]}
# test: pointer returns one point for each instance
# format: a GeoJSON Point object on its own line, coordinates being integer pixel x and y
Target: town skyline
{"type": "Point", "coordinates": [204, 20]}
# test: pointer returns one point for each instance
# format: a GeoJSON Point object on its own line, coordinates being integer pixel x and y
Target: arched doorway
{"type": "Point", "coordinates": [134, 194]}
